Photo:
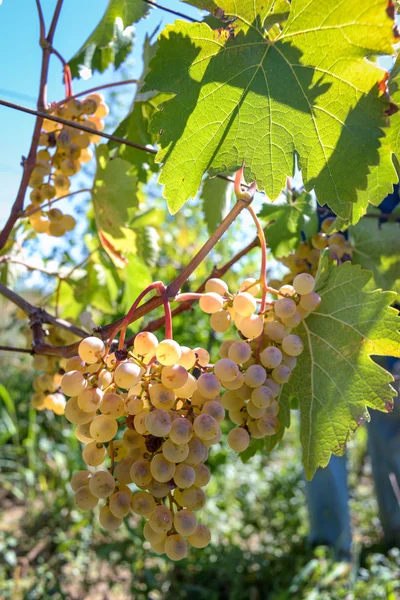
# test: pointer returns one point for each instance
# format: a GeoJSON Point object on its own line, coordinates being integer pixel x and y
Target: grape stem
{"type": "Point", "coordinates": [263, 270]}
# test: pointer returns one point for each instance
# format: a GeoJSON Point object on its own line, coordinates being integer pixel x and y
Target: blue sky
{"type": "Point", "coordinates": [20, 67]}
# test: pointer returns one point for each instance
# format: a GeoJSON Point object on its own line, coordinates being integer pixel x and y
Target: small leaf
{"type": "Point", "coordinates": [111, 41]}
{"type": "Point", "coordinates": [216, 195]}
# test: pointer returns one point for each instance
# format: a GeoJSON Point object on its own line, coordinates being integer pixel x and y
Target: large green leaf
{"type": "Point", "coordinates": [249, 98]}
{"type": "Point", "coordinates": [216, 195]}
{"type": "Point", "coordinates": [377, 248]}
{"type": "Point", "coordinates": [115, 203]}
{"type": "Point", "coordinates": [286, 220]}
{"type": "Point", "coordinates": [111, 41]}
{"type": "Point", "coordinates": [335, 379]}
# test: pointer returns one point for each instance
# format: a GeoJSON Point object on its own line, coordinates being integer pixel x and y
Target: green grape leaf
{"type": "Point", "coordinates": [286, 220]}
{"type": "Point", "coordinates": [111, 41]}
{"type": "Point", "coordinates": [255, 446]}
{"type": "Point", "coordinates": [336, 380]}
{"type": "Point", "coordinates": [115, 203]}
{"type": "Point", "coordinates": [377, 248]}
{"type": "Point", "coordinates": [241, 96]}
{"type": "Point", "coordinates": [216, 195]}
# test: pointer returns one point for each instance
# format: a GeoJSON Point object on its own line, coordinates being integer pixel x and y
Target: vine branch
{"type": "Point", "coordinates": [169, 10]}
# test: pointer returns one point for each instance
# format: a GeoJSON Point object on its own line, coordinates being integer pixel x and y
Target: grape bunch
{"type": "Point", "coordinates": [164, 400]}
{"type": "Point", "coordinates": [253, 369]}
{"type": "Point", "coordinates": [64, 150]}
{"type": "Point", "coordinates": [305, 258]}
{"type": "Point", "coordinates": [46, 386]}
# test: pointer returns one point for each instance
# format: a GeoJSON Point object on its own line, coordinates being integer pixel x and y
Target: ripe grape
{"type": "Point", "coordinates": [184, 476]}
{"type": "Point", "coordinates": [175, 452]}
{"type": "Point", "coordinates": [193, 498]}
{"type": "Point", "coordinates": [203, 357]}
{"type": "Point", "coordinates": [94, 454]}
{"type": "Point", "coordinates": [175, 547]}
{"type": "Point", "coordinates": [292, 321]}
{"type": "Point", "coordinates": [91, 349]}
{"type": "Point", "coordinates": [127, 374]}
{"type": "Point", "coordinates": [158, 489]}
{"type": "Point", "coordinates": [281, 374]}
{"type": "Point", "coordinates": [168, 352]}
{"type": "Point", "coordinates": [211, 302]}
{"type": "Point", "coordinates": [304, 283]}
{"type": "Point", "coordinates": [90, 399]}
{"type": "Point", "coordinates": [289, 361]}
{"type": "Point", "coordinates": [154, 537]}
{"type": "Point", "coordinates": [203, 475]}
{"type": "Point", "coordinates": [215, 409]}
{"type": "Point", "coordinates": [145, 343]}
{"type": "Point", "coordinates": [120, 503]}
{"type": "Point", "coordinates": [201, 537]}
{"type": "Point", "coordinates": [205, 427]}
{"type": "Point", "coordinates": [238, 439]}
{"type": "Point", "coordinates": [271, 357]}
{"type": "Point", "coordinates": [310, 301]}
{"type": "Point", "coordinates": [292, 345]}
{"type": "Point", "coordinates": [273, 386]}
{"type": "Point", "coordinates": [140, 472]}
{"type": "Point", "coordinates": [251, 286]}
{"type": "Point", "coordinates": [208, 385]}
{"type": "Point", "coordinates": [161, 519]}
{"type": "Point", "coordinates": [133, 405]}
{"type": "Point", "coordinates": [76, 415]}
{"type": "Point", "coordinates": [268, 424]}
{"type": "Point", "coordinates": [254, 411]}
{"type": "Point", "coordinates": [84, 499]}
{"type": "Point", "coordinates": [285, 308]}
{"type": "Point", "coordinates": [79, 479]}
{"type": "Point", "coordinates": [103, 428]}
{"type": "Point", "coordinates": [224, 348]}
{"type": "Point", "coordinates": [74, 364]}
{"type": "Point", "coordinates": [73, 383]}
{"type": "Point", "coordinates": [255, 376]}
{"type": "Point", "coordinates": [287, 290]}
{"type": "Point", "coordinates": [235, 384]}
{"type": "Point", "coordinates": [102, 484]}
{"type": "Point", "coordinates": [274, 330]}
{"type": "Point", "coordinates": [139, 421]}
{"type": "Point", "coordinates": [162, 469]}
{"type": "Point", "coordinates": [181, 431]}
{"type": "Point", "coordinates": [262, 396]}
{"type": "Point", "coordinates": [185, 522]}
{"type": "Point", "coordinates": [174, 376]}
{"type": "Point", "coordinates": [217, 286]}
{"type": "Point", "coordinates": [244, 304]}
{"type": "Point", "coordinates": [187, 358]}
{"type": "Point", "coordinates": [107, 520]}
{"type": "Point", "coordinates": [239, 352]}
{"type": "Point", "coordinates": [196, 451]}
{"type": "Point", "coordinates": [226, 369]}
{"type": "Point", "coordinates": [161, 397]}
{"type": "Point", "coordinates": [188, 389]}
{"type": "Point", "coordinates": [143, 503]}
{"type": "Point", "coordinates": [220, 321]}
{"type": "Point", "coordinates": [158, 422]}
{"type": "Point", "coordinates": [231, 401]}
{"type": "Point", "coordinates": [237, 416]}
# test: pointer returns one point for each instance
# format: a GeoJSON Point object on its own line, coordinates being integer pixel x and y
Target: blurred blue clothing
{"type": "Point", "coordinates": [327, 493]}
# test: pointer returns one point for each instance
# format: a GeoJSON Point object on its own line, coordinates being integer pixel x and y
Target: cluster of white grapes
{"type": "Point", "coordinates": [64, 151]}
{"type": "Point", "coordinates": [253, 369]}
{"type": "Point", "coordinates": [166, 399]}
{"type": "Point", "coordinates": [46, 386]}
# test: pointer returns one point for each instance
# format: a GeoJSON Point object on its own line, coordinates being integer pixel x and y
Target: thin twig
{"type": "Point", "coordinates": [170, 10]}
{"type": "Point", "coordinates": [59, 56]}
{"type": "Point", "coordinates": [17, 261]}
{"type": "Point", "coordinates": [41, 22]}
{"type": "Point", "coordinates": [32, 211]}
{"type": "Point", "coordinates": [96, 89]}
{"type": "Point", "coordinates": [12, 349]}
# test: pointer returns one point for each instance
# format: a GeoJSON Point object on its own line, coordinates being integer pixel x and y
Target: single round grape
{"type": "Point", "coordinates": [158, 489]}
{"type": "Point", "coordinates": [91, 349]}
{"type": "Point", "coordinates": [73, 383]}
{"type": "Point", "coordinates": [254, 431]}
{"type": "Point", "coordinates": [188, 389]}
{"type": "Point", "coordinates": [285, 308]}
{"type": "Point", "coordinates": [214, 409]}
{"type": "Point", "coordinates": [102, 484]}
{"type": "Point", "coordinates": [292, 345]}
{"type": "Point", "coordinates": [211, 302]}
{"type": "Point", "coordinates": [181, 431]}
{"type": "Point", "coordinates": [292, 321]}
{"type": "Point", "coordinates": [56, 403]}
{"type": "Point", "coordinates": [154, 537]}
{"type": "Point", "coordinates": [84, 499]}
{"type": "Point", "coordinates": [287, 290]}
{"type": "Point", "coordinates": [273, 408]}
{"type": "Point", "coordinates": [196, 451]}
{"type": "Point", "coordinates": [289, 361]}
{"type": "Point", "coordinates": [161, 519]}
{"type": "Point", "coordinates": [122, 470]}
{"type": "Point", "coordinates": [174, 376]}
{"type": "Point", "coordinates": [220, 321]}
{"type": "Point", "coordinates": [145, 343]}
{"type": "Point", "coordinates": [273, 386]}
{"type": "Point", "coordinates": [74, 364]}
{"type": "Point", "coordinates": [79, 479]}
{"type": "Point", "coordinates": [140, 472]}
{"type": "Point", "coordinates": [251, 286]}
{"type": "Point", "coordinates": [103, 428]}
{"type": "Point", "coordinates": [310, 301]}
{"type": "Point", "coordinates": [203, 357]}
{"type": "Point", "coordinates": [254, 411]}
{"type": "Point", "coordinates": [217, 286]}
{"type": "Point", "coordinates": [237, 416]}
{"type": "Point", "coordinates": [161, 397]}
{"type": "Point", "coordinates": [112, 405]}
{"type": "Point", "coordinates": [262, 397]}
{"type": "Point", "coordinates": [176, 453]}
{"type": "Point", "coordinates": [244, 392]}
{"type": "Point", "coordinates": [271, 357]}
{"type": "Point", "coordinates": [238, 439]}
{"type": "Point", "coordinates": [168, 352]}
{"type": "Point", "coordinates": [90, 399]}
{"type": "Point", "coordinates": [205, 427]}
{"type": "Point", "coordinates": [133, 439]}
{"type": "Point", "coordinates": [162, 469]}
{"type": "Point", "coordinates": [214, 440]}
{"type": "Point", "coordinates": [187, 358]}
{"type": "Point", "coordinates": [185, 522]}
{"type": "Point", "coordinates": [158, 422]}
{"type": "Point", "coordinates": [107, 520]}
{"type": "Point", "coordinates": [244, 304]}
{"type": "Point", "coordinates": [251, 327]}
{"type": "Point", "coordinates": [193, 498]}
{"type": "Point", "coordinates": [201, 537]}
{"type": "Point", "coordinates": [224, 348]}
{"type": "Point", "coordinates": [118, 450]}
{"type": "Point", "coordinates": [235, 384]}
{"type": "Point", "coordinates": [197, 399]}
{"type": "Point", "coordinates": [327, 224]}
{"type": "Point", "coordinates": [120, 503]}
{"type": "Point", "coordinates": [94, 454]}
{"type": "Point", "coordinates": [255, 376]}
{"type": "Point", "coordinates": [133, 405]}
{"type": "Point", "coordinates": [176, 547]}
{"type": "Point", "coordinates": [281, 374]}
{"type": "Point", "coordinates": [143, 503]}
{"type": "Point", "coordinates": [274, 330]}
{"type": "Point", "coordinates": [104, 379]}
{"type": "Point", "coordinates": [76, 415]}
{"type": "Point", "coordinates": [208, 385]}
{"type": "Point", "coordinates": [139, 421]}
{"type": "Point", "coordinates": [203, 475]}
{"type": "Point", "coordinates": [304, 283]}
{"type": "Point", "coordinates": [239, 352]}
{"type": "Point", "coordinates": [231, 401]}
{"type": "Point", "coordinates": [226, 369]}
{"type": "Point", "coordinates": [268, 424]}
{"type": "Point", "coordinates": [303, 312]}
{"type": "Point", "coordinates": [127, 374]}
{"type": "Point", "coordinates": [184, 476]}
